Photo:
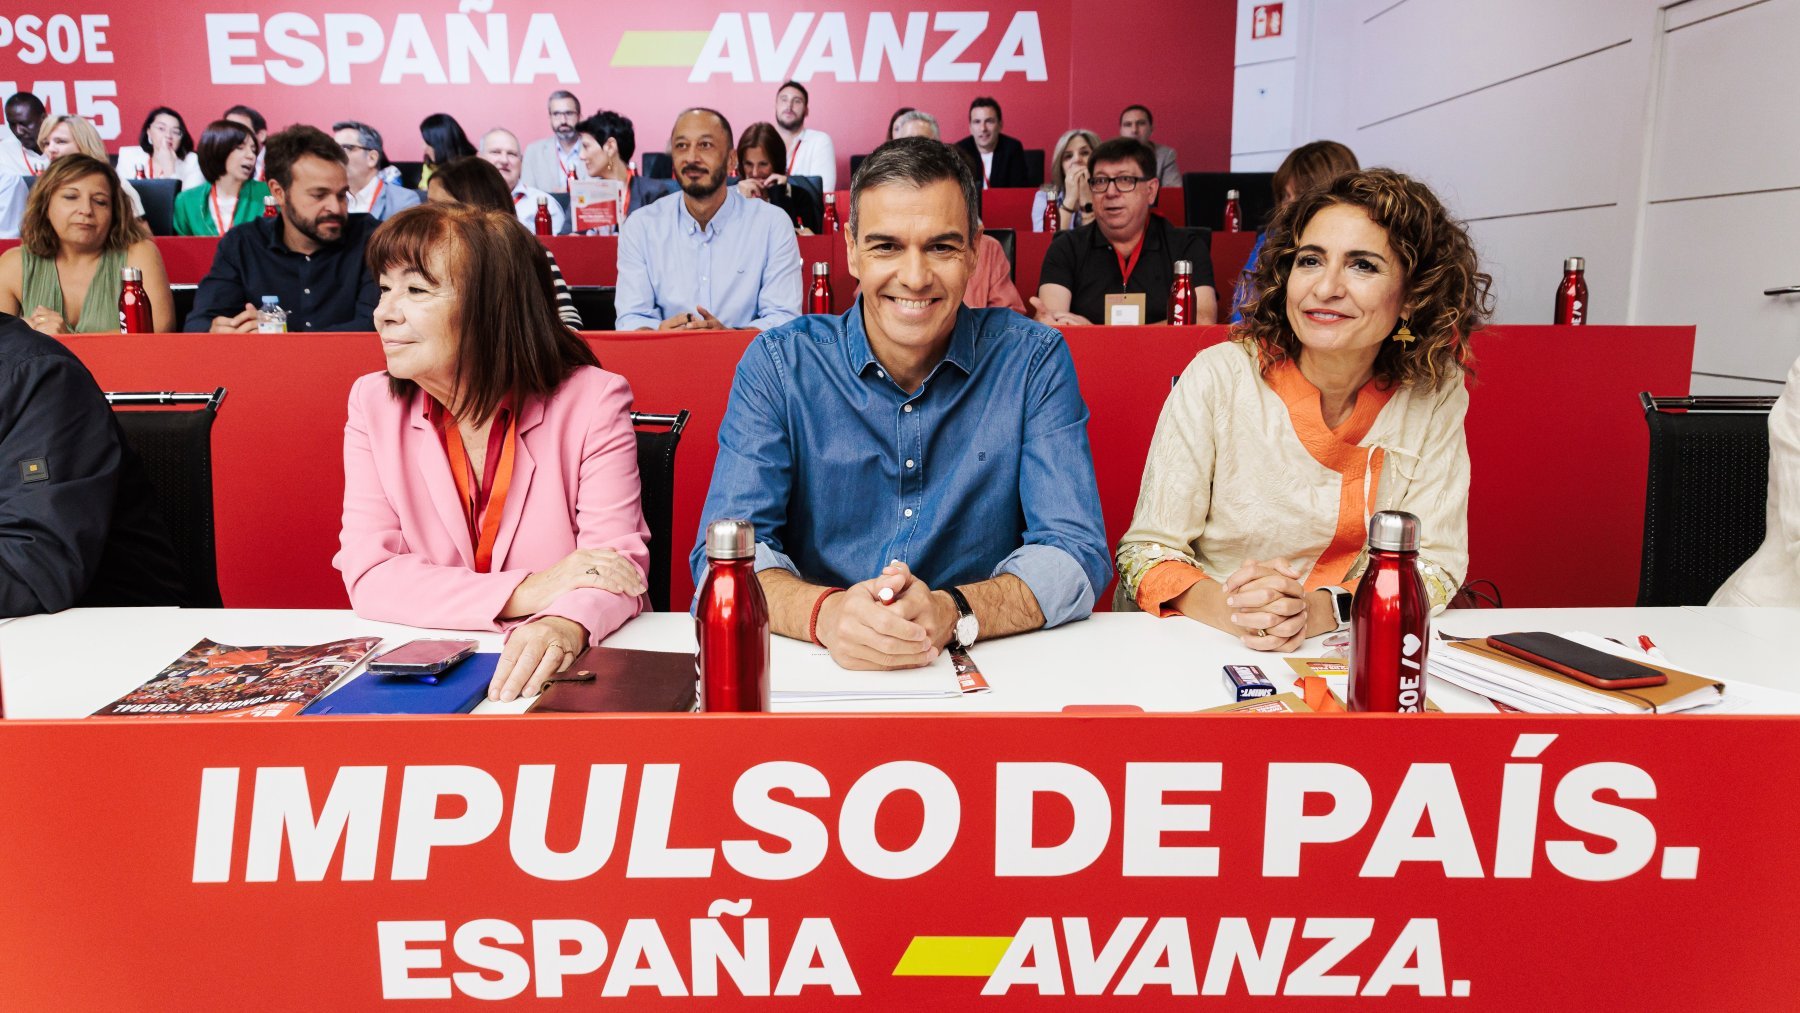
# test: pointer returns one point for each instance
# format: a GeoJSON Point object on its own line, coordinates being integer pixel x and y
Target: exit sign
{"type": "Point", "coordinates": [1265, 21]}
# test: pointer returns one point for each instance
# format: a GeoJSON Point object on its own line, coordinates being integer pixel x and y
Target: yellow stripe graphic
{"type": "Point", "coordinates": [952, 956]}
{"type": "Point", "coordinates": [659, 49]}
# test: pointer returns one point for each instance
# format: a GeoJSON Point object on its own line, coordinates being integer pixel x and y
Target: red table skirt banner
{"type": "Point", "coordinates": [901, 862]}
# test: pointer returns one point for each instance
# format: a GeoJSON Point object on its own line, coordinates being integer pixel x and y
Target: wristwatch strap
{"type": "Point", "coordinates": [962, 606]}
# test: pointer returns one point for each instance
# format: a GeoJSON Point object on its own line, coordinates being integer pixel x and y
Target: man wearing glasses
{"type": "Point", "coordinates": [370, 194]}
{"type": "Point", "coordinates": [1125, 250]}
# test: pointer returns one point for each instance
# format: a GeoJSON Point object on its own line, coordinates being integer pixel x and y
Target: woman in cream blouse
{"type": "Point", "coordinates": [1340, 394]}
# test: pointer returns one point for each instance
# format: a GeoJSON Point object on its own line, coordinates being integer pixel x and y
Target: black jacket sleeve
{"type": "Point", "coordinates": [53, 530]}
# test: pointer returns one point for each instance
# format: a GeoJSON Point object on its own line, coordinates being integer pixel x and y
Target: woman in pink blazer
{"type": "Point", "coordinates": [490, 474]}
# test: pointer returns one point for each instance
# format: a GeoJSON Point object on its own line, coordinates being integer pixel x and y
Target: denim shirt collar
{"type": "Point", "coordinates": [960, 354]}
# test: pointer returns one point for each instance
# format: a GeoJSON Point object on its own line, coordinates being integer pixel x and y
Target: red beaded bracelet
{"type": "Point", "coordinates": [812, 625]}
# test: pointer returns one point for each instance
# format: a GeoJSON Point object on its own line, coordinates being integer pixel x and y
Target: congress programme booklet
{"type": "Point", "coordinates": [219, 680]}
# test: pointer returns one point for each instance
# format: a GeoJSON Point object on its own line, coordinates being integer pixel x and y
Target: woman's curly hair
{"type": "Point", "coordinates": [1447, 296]}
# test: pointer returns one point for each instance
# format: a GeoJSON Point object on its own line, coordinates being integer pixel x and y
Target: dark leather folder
{"type": "Point", "coordinates": [617, 680]}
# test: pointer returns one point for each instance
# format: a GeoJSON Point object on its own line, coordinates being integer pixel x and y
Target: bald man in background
{"type": "Point", "coordinates": [500, 148]}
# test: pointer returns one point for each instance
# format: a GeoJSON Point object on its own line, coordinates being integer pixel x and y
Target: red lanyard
{"type": "Point", "coordinates": [517, 197]}
{"type": "Point", "coordinates": [379, 183]}
{"type": "Point", "coordinates": [569, 168]}
{"type": "Point", "coordinates": [485, 527]}
{"type": "Point", "coordinates": [1127, 263]}
{"type": "Point", "coordinates": [219, 212]}
{"type": "Point", "coordinates": [794, 155]}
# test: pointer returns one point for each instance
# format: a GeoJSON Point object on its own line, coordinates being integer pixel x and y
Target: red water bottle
{"type": "Point", "coordinates": [731, 621]}
{"type": "Point", "coordinates": [1571, 295]}
{"type": "Point", "coordinates": [269, 209]}
{"type": "Point", "coordinates": [141, 173]}
{"type": "Point", "coordinates": [134, 305]}
{"type": "Point", "coordinates": [1390, 620]}
{"type": "Point", "coordinates": [818, 300]}
{"type": "Point", "coordinates": [1234, 215]}
{"type": "Point", "coordinates": [1052, 221]}
{"type": "Point", "coordinates": [543, 217]}
{"type": "Point", "coordinates": [1181, 295]}
{"type": "Point", "coordinates": [831, 216]}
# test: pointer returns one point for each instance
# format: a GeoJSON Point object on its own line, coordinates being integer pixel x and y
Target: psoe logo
{"type": "Point", "coordinates": [932, 46]}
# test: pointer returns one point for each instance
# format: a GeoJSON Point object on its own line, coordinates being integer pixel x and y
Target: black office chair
{"type": "Point", "coordinates": [1034, 167]}
{"type": "Point", "coordinates": [176, 448]}
{"type": "Point", "coordinates": [568, 211]}
{"type": "Point", "coordinates": [1204, 194]}
{"type": "Point", "coordinates": [596, 306]}
{"type": "Point", "coordinates": [808, 196]}
{"type": "Point", "coordinates": [856, 161]}
{"type": "Point", "coordinates": [1009, 242]}
{"type": "Point", "coordinates": [409, 173]}
{"type": "Point", "coordinates": [656, 474]}
{"type": "Point", "coordinates": [1705, 497]}
{"type": "Point", "coordinates": [184, 302]}
{"type": "Point", "coordinates": [158, 196]}
{"type": "Point", "coordinates": [658, 165]}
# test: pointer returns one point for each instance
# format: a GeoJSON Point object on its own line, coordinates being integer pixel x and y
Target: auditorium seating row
{"type": "Point", "coordinates": [1555, 431]}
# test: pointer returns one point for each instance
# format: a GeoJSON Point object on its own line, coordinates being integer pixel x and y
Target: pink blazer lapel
{"type": "Point", "coordinates": [523, 468]}
{"type": "Point", "coordinates": [440, 485]}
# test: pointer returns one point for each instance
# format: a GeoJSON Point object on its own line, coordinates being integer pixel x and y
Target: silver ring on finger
{"type": "Point", "coordinates": [1261, 633]}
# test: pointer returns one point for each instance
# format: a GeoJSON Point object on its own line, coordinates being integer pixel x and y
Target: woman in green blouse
{"type": "Point", "coordinates": [230, 197]}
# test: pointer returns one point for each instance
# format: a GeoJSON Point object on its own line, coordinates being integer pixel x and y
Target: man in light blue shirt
{"type": "Point", "coordinates": [713, 259]}
{"type": "Point", "coordinates": [952, 441]}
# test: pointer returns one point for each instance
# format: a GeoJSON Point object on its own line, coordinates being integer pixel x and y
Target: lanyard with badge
{"type": "Point", "coordinates": [485, 528]}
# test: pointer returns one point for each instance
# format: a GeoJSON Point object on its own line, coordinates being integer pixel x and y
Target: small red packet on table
{"type": "Point", "coordinates": [968, 678]}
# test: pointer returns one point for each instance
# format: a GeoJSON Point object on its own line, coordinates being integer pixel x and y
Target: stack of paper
{"type": "Point", "coordinates": [810, 676]}
{"type": "Point", "coordinates": [1480, 669]}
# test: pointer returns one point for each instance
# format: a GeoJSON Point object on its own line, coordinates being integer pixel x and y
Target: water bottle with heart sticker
{"type": "Point", "coordinates": [1389, 617]}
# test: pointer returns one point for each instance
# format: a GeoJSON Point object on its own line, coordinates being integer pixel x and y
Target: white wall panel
{"type": "Point", "coordinates": [1262, 109]}
{"type": "Point", "coordinates": [1727, 121]}
{"type": "Point", "coordinates": [1525, 256]}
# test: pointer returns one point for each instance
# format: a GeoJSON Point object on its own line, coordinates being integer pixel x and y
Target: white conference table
{"type": "Point", "coordinates": [73, 663]}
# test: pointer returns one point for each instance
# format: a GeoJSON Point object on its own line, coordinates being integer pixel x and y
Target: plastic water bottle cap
{"type": "Point", "coordinates": [271, 300]}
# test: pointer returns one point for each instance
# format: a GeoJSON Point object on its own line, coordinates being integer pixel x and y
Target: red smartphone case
{"type": "Point", "coordinates": [1584, 664]}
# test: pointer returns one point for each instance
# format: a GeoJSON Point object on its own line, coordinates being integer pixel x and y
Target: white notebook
{"type": "Point", "coordinates": [806, 674]}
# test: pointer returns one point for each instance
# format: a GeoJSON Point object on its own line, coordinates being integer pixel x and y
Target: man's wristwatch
{"type": "Point", "coordinates": [1340, 605]}
{"type": "Point", "coordinates": [967, 626]}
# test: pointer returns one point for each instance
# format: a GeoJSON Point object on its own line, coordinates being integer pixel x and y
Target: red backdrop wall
{"type": "Point", "coordinates": [1052, 64]}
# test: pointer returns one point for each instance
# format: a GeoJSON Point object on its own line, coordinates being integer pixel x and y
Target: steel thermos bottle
{"type": "Point", "coordinates": [1571, 295]}
{"type": "Point", "coordinates": [831, 215]}
{"type": "Point", "coordinates": [1389, 620]}
{"type": "Point", "coordinates": [1052, 220]}
{"type": "Point", "coordinates": [1181, 295]}
{"type": "Point", "coordinates": [543, 217]}
{"type": "Point", "coordinates": [732, 623]}
{"type": "Point", "coordinates": [1234, 215]}
{"type": "Point", "coordinates": [269, 207]}
{"type": "Point", "coordinates": [134, 305]}
{"type": "Point", "coordinates": [818, 299]}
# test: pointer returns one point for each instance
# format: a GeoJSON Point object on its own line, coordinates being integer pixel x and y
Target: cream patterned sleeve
{"type": "Point", "coordinates": [1438, 495]}
{"type": "Point", "coordinates": [1176, 494]}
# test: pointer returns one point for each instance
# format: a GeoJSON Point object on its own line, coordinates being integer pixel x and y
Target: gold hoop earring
{"type": "Point", "coordinates": [1405, 335]}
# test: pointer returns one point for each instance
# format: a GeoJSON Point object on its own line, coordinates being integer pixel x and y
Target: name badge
{"type": "Point", "coordinates": [1125, 309]}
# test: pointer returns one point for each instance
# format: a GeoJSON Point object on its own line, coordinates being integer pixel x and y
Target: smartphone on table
{"type": "Point", "coordinates": [424, 660]}
{"type": "Point", "coordinates": [1578, 661]}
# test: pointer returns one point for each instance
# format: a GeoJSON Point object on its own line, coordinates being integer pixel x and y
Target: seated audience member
{"type": "Point", "coordinates": [78, 522]}
{"type": "Point", "coordinates": [1305, 167]}
{"type": "Point", "coordinates": [163, 151]}
{"type": "Point", "coordinates": [1002, 157]}
{"type": "Point", "coordinates": [500, 149]}
{"type": "Point", "coordinates": [490, 474]}
{"type": "Point", "coordinates": [1125, 249]}
{"type": "Point", "coordinates": [24, 122]}
{"type": "Point", "coordinates": [550, 162]}
{"type": "Point", "coordinates": [475, 182]}
{"type": "Point", "coordinates": [78, 231]}
{"type": "Point", "coordinates": [760, 154]}
{"type": "Point", "coordinates": [809, 152]}
{"type": "Point", "coordinates": [445, 142]}
{"type": "Point", "coordinates": [849, 440]}
{"type": "Point", "coordinates": [1771, 576]}
{"type": "Point", "coordinates": [1136, 123]}
{"type": "Point", "coordinates": [1346, 376]}
{"type": "Point", "coordinates": [915, 123]}
{"type": "Point", "coordinates": [310, 257]}
{"type": "Point", "coordinates": [709, 258]}
{"type": "Point", "coordinates": [254, 122]}
{"type": "Point", "coordinates": [1068, 182]}
{"type": "Point", "coordinates": [229, 197]}
{"type": "Point", "coordinates": [893, 130]}
{"type": "Point", "coordinates": [370, 193]}
{"type": "Point", "coordinates": [64, 135]}
{"type": "Point", "coordinates": [14, 192]}
{"type": "Point", "coordinates": [607, 144]}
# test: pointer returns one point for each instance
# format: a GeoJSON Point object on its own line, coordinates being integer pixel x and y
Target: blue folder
{"type": "Point", "coordinates": [457, 691]}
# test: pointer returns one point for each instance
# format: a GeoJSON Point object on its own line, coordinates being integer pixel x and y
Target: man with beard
{"type": "Point", "coordinates": [552, 161]}
{"type": "Point", "coordinates": [19, 154]}
{"type": "Point", "coordinates": [713, 259]}
{"type": "Point", "coordinates": [809, 152]}
{"type": "Point", "coordinates": [310, 257]}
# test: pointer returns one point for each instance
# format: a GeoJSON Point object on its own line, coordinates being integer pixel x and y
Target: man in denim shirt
{"type": "Point", "coordinates": [916, 471]}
